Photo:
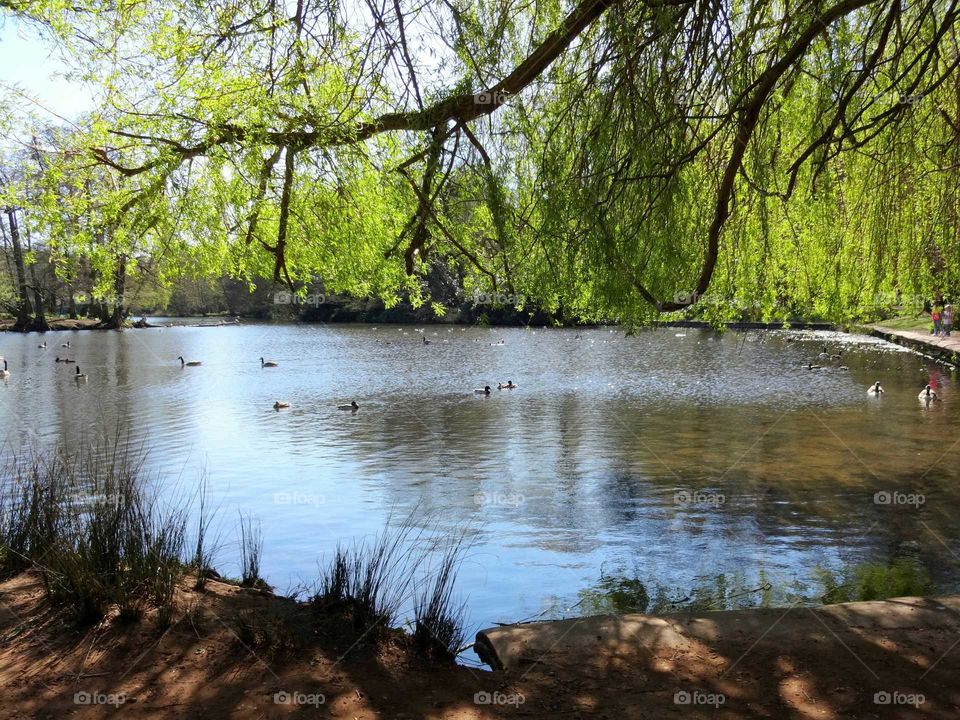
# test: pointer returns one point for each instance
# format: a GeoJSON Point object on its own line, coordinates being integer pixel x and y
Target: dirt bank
{"type": "Point", "coordinates": [59, 324]}
{"type": "Point", "coordinates": [231, 653]}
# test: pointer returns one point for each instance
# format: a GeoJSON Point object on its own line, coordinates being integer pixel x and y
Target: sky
{"type": "Point", "coordinates": [30, 63]}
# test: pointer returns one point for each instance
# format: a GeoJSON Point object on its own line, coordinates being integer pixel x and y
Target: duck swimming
{"type": "Point", "coordinates": [279, 404]}
{"type": "Point", "coordinates": [811, 366]}
{"type": "Point", "coordinates": [268, 363]}
{"type": "Point", "coordinates": [5, 373]}
{"type": "Point", "coordinates": [928, 394]}
{"type": "Point", "coordinates": [43, 345]}
{"type": "Point", "coordinates": [509, 385]}
{"type": "Point", "coordinates": [80, 377]}
{"type": "Point", "coordinates": [66, 344]}
{"type": "Point", "coordinates": [875, 389]}
{"type": "Point", "coordinates": [484, 391]}
{"type": "Point", "coordinates": [188, 363]}
{"type": "Point", "coordinates": [352, 406]}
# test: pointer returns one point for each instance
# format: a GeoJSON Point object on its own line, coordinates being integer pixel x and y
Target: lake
{"type": "Point", "coordinates": [706, 465]}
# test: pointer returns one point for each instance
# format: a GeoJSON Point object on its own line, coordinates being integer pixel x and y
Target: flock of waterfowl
{"type": "Point", "coordinates": [80, 377]}
{"type": "Point", "coordinates": [928, 394]}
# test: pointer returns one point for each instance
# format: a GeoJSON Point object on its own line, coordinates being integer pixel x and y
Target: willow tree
{"type": "Point", "coordinates": [611, 158]}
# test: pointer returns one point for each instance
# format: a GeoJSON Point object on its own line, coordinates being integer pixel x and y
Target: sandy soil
{"type": "Point", "coordinates": [765, 664]}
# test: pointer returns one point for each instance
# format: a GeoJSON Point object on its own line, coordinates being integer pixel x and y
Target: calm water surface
{"type": "Point", "coordinates": [679, 456]}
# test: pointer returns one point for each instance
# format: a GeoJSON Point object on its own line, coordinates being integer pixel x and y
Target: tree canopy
{"type": "Point", "coordinates": [609, 158]}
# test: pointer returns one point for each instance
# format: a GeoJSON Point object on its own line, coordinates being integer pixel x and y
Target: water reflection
{"type": "Point", "coordinates": [578, 468]}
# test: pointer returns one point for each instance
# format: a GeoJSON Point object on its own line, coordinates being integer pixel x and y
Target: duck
{"type": "Point", "coordinates": [42, 346]}
{"type": "Point", "coordinates": [928, 394]}
{"type": "Point", "coordinates": [875, 389]}
{"type": "Point", "coordinates": [80, 377]}
{"type": "Point", "coordinates": [352, 406]}
{"type": "Point", "coordinates": [508, 385]}
{"type": "Point", "coordinates": [188, 363]}
{"type": "Point", "coordinates": [266, 363]}
{"type": "Point", "coordinates": [5, 373]}
{"type": "Point", "coordinates": [66, 344]}
{"type": "Point", "coordinates": [280, 404]}
{"type": "Point", "coordinates": [484, 391]}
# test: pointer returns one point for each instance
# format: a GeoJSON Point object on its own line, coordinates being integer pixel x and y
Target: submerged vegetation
{"type": "Point", "coordinates": [625, 591]}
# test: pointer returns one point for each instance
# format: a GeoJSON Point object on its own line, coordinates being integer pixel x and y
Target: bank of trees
{"type": "Point", "coordinates": [610, 158]}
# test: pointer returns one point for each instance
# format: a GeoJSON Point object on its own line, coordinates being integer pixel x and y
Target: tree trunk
{"type": "Point", "coordinates": [115, 320]}
{"type": "Point", "coordinates": [39, 317]}
{"type": "Point", "coordinates": [24, 309]}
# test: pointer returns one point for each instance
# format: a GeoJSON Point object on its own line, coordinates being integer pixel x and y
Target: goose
{"type": "Point", "coordinates": [928, 394]}
{"type": "Point", "coordinates": [58, 359]}
{"type": "Point", "coordinates": [484, 391]}
{"type": "Point", "coordinates": [875, 389]}
{"type": "Point", "coordinates": [5, 373]}
{"type": "Point", "coordinates": [811, 366]}
{"type": "Point", "coordinates": [66, 344]}
{"type": "Point", "coordinates": [42, 346]}
{"type": "Point", "coordinates": [68, 360]}
{"type": "Point", "coordinates": [425, 341]}
{"type": "Point", "coordinates": [838, 356]}
{"type": "Point", "coordinates": [352, 406]}
{"type": "Point", "coordinates": [81, 377]}
{"type": "Point", "coordinates": [279, 404]}
{"type": "Point", "coordinates": [267, 363]}
{"type": "Point", "coordinates": [508, 385]}
{"type": "Point", "coordinates": [824, 355]}
{"type": "Point", "coordinates": [190, 363]}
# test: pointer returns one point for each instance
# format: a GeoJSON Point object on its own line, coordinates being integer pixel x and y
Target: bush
{"type": "Point", "coordinates": [369, 584]}
{"type": "Point", "coordinates": [97, 537]}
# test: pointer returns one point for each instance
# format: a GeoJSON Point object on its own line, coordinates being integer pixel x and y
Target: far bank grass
{"type": "Point", "coordinates": [914, 323]}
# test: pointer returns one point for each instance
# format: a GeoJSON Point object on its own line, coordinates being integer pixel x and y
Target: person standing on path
{"type": "Point", "coordinates": [947, 319]}
{"type": "Point", "coordinates": [935, 315]}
